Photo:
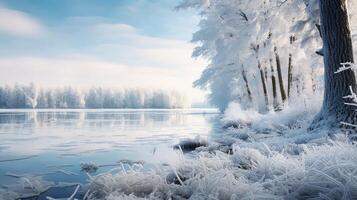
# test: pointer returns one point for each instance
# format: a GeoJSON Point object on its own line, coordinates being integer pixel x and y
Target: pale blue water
{"type": "Point", "coordinates": [45, 141]}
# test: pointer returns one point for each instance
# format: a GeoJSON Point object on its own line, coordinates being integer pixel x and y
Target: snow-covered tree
{"type": "Point", "coordinates": [21, 96]}
{"type": "Point", "coordinates": [30, 93]}
{"type": "Point", "coordinates": [42, 101]}
{"type": "Point", "coordinates": [261, 51]}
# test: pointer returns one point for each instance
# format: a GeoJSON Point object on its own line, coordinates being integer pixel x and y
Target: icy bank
{"type": "Point", "coordinates": [323, 172]}
{"type": "Point", "coordinates": [277, 159]}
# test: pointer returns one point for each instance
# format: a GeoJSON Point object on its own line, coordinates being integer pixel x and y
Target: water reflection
{"type": "Point", "coordinates": [30, 141]}
{"type": "Point", "coordinates": [75, 131]}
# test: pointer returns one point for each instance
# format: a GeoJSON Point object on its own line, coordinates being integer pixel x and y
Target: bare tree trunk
{"type": "Point", "coordinates": [265, 90]}
{"type": "Point", "coordinates": [273, 83]}
{"type": "Point", "coordinates": [266, 72]}
{"type": "Point", "coordinates": [280, 76]}
{"type": "Point", "coordinates": [246, 84]}
{"type": "Point", "coordinates": [255, 48]}
{"type": "Point", "coordinates": [290, 67]}
{"type": "Point", "coordinates": [290, 74]}
{"type": "Point", "coordinates": [337, 49]}
{"type": "Point", "coordinates": [313, 81]}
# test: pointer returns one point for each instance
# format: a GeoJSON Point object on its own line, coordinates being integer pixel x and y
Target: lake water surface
{"type": "Point", "coordinates": [53, 143]}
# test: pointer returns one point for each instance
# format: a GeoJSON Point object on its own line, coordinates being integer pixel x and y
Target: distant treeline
{"type": "Point", "coordinates": [30, 96]}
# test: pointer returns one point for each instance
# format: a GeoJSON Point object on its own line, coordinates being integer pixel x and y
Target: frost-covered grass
{"type": "Point", "coordinates": [294, 116]}
{"type": "Point", "coordinates": [276, 159]}
{"type": "Point", "coordinates": [327, 171]}
{"type": "Point", "coordinates": [276, 129]}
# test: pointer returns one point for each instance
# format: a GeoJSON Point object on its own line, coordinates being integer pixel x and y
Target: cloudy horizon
{"type": "Point", "coordinates": [142, 44]}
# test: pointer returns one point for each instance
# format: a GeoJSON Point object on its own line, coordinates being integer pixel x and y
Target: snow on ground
{"type": "Point", "coordinates": [322, 172]}
{"type": "Point", "coordinates": [269, 156]}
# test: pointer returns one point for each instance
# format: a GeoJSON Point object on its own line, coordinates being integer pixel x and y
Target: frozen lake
{"type": "Point", "coordinates": [53, 143]}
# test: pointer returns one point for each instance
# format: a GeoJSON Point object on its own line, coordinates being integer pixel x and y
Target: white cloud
{"type": "Point", "coordinates": [126, 44]}
{"type": "Point", "coordinates": [19, 23]}
{"type": "Point", "coordinates": [85, 72]}
{"type": "Point", "coordinates": [126, 34]}
{"type": "Point", "coordinates": [115, 29]}
{"type": "Point", "coordinates": [118, 55]}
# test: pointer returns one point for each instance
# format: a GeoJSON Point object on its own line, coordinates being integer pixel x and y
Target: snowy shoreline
{"type": "Point", "coordinates": [263, 159]}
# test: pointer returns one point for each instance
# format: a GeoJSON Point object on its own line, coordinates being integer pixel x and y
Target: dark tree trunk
{"type": "Point", "coordinates": [280, 76]}
{"type": "Point", "coordinates": [246, 84]}
{"type": "Point", "coordinates": [265, 72]}
{"type": "Point", "coordinates": [265, 90]}
{"type": "Point", "coordinates": [290, 67]}
{"type": "Point", "coordinates": [273, 84]}
{"type": "Point", "coordinates": [290, 74]}
{"type": "Point", "coordinates": [337, 49]}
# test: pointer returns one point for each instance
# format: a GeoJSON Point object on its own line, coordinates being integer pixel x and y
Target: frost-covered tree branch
{"type": "Point", "coordinates": [346, 66]}
{"type": "Point", "coordinates": [352, 96]}
{"type": "Point", "coordinates": [228, 28]}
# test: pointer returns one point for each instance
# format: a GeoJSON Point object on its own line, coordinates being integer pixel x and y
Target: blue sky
{"type": "Point", "coordinates": [111, 43]}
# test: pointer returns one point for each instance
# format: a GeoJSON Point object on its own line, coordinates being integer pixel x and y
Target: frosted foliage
{"type": "Point", "coordinates": [293, 117]}
{"type": "Point", "coordinates": [322, 172]}
{"type": "Point", "coordinates": [277, 159]}
{"type": "Point", "coordinates": [20, 96]}
{"type": "Point", "coordinates": [131, 182]}
{"type": "Point", "coordinates": [346, 66]}
{"type": "Point", "coordinates": [235, 35]}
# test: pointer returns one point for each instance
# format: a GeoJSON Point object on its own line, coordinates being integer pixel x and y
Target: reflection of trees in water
{"type": "Point", "coordinates": [82, 130]}
{"type": "Point", "coordinates": [98, 119]}
{"type": "Point", "coordinates": [133, 118]}
{"type": "Point", "coordinates": [13, 118]}
{"type": "Point", "coordinates": [23, 122]}
{"type": "Point", "coordinates": [18, 118]}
